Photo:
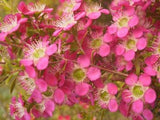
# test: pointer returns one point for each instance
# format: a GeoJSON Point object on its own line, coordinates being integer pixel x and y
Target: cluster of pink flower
{"type": "Point", "coordinates": [71, 57]}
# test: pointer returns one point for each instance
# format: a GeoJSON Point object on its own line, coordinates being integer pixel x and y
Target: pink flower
{"type": "Point", "coordinates": [33, 8]}
{"type": "Point", "coordinates": [38, 54]}
{"type": "Point", "coordinates": [138, 90]}
{"type": "Point", "coordinates": [106, 97]}
{"type": "Point", "coordinates": [18, 111]}
{"type": "Point", "coordinates": [94, 10]}
{"type": "Point", "coordinates": [10, 24]}
{"type": "Point", "coordinates": [65, 23]}
{"type": "Point", "coordinates": [122, 24]}
{"type": "Point", "coordinates": [44, 109]}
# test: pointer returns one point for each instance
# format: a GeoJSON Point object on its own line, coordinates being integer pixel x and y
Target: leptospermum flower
{"type": "Point", "coordinates": [122, 24]}
{"type": "Point", "coordinates": [129, 46]}
{"type": "Point", "coordinates": [71, 5]}
{"type": "Point", "coordinates": [94, 10]}
{"type": "Point", "coordinates": [106, 97]}
{"type": "Point", "coordinates": [10, 24]}
{"type": "Point", "coordinates": [32, 8]}
{"type": "Point", "coordinates": [17, 109]}
{"type": "Point", "coordinates": [65, 23]}
{"type": "Point", "coordinates": [138, 91]}
{"type": "Point", "coordinates": [38, 54]}
{"type": "Point", "coordinates": [102, 48]}
{"type": "Point", "coordinates": [44, 109]}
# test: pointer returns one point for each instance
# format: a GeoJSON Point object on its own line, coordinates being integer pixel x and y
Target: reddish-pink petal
{"type": "Point", "coordinates": [119, 50]}
{"type": "Point", "coordinates": [26, 62]}
{"type": "Point", "coordinates": [150, 71]}
{"type": "Point", "coordinates": [131, 79]}
{"type": "Point", "coordinates": [94, 15]}
{"type": "Point", "coordinates": [104, 50]}
{"type": "Point", "coordinates": [122, 32]}
{"type": "Point", "coordinates": [137, 106]}
{"type": "Point", "coordinates": [141, 44]}
{"type": "Point", "coordinates": [112, 88]}
{"type": "Point", "coordinates": [129, 55]}
{"type": "Point", "coordinates": [148, 115]}
{"type": "Point", "coordinates": [82, 89]}
{"type": "Point", "coordinates": [112, 29]}
{"type": "Point", "coordinates": [151, 59]}
{"type": "Point", "coordinates": [3, 36]}
{"type": "Point", "coordinates": [51, 49]}
{"type": "Point", "coordinates": [113, 106]}
{"type": "Point", "coordinates": [83, 61]}
{"type": "Point", "coordinates": [30, 71]}
{"type": "Point", "coordinates": [93, 73]}
{"type": "Point", "coordinates": [49, 107]}
{"type": "Point", "coordinates": [41, 84]}
{"type": "Point", "coordinates": [57, 32]}
{"type": "Point", "coordinates": [145, 79]}
{"type": "Point", "coordinates": [105, 11]}
{"type": "Point", "coordinates": [42, 63]}
{"type": "Point", "coordinates": [150, 95]}
{"type": "Point", "coordinates": [127, 95]}
{"type": "Point", "coordinates": [107, 37]}
{"type": "Point", "coordinates": [58, 96]}
{"type": "Point", "coordinates": [134, 21]}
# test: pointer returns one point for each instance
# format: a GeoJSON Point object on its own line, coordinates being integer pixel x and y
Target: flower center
{"type": "Point", "coordinates": [94, 7]}
{"type": "Point", "coordinates": [96, 43]}
{"type": "Point", "coordinates": [137, 91]}
{"type": "Point", "coordinates": [27, 84]}
{"type": "Point", "coordinates": [79, 74]}
{"type": "Point", "coordinates": [123, 22]}
{"type": "Point", "coordinates": [8, 24]}
{"type": "Point", "coordinates": [131, 44]}
{"type": "Point", "coordinates": [104, 95]}
{"type": "Point", "coordinates": [37, 7]}
{"type": "Point", "coordinates": [19, 110]}
{"type": "Point", "coordinates": [38, 53]}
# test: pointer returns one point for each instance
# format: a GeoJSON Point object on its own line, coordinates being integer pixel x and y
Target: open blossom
{"type": "Point", "coordinates": [122, 24]}
{"type": "Point", "coordinates": [106, 97]}
{"type": "Point", "coordinates": [10, 24]}
{"type": "Point", "coordinates": [44, 109]}
{"type": "Point", "coordinates": [129, 46]}
{"type": "Point", "coordinates": [32, 8]}
{"type": "Point", "coordinates": [94, 10]}
{"type": "Point", "coordinates": [139, 92]}
{"type": "Point", "coordinates": [38, 54]}
{"type": "Point", "coordinates": [70, 6]}
{"type": "Point", "coordinates": [65, 23]}
{"type": "Point", "coordinates": [17, 109]}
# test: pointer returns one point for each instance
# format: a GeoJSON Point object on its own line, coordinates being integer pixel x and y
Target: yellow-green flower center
{"type": "Point", "coordinates": [131, 44]}
{"type": "Point", "coordinates": [38, 53]}
{"type": "Point", "coordinates": [104, 95]}
{"type": "Point", "coordinates": [96, 43]}
{"type": "Point", "coordinates": [123, 22]}
{"type": "Point", "coordinates": [79, 74]}
{"type": "Point", "coordinates": [137, 91]}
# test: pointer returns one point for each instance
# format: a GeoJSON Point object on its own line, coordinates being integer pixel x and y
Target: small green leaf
{"type": "Point", "coordinates": [13, 85]}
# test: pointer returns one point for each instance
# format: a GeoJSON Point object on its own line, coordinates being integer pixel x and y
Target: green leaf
{"type": "Point", "coordinates": [13, 85]}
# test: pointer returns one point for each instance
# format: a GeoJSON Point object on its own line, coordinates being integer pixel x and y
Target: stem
{"type": "Point", "coordinates": [7, 44]}
{"type": "Point", "coordinates": [111, 71]}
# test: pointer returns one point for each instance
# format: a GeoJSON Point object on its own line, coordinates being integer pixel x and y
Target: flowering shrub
{"type": "Point", "coordinates": [92, 53]}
